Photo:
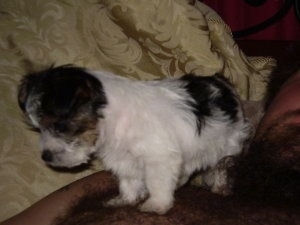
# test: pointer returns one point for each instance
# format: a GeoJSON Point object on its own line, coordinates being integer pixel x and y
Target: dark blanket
{"type": "Point", "coordinates": [193, 206]}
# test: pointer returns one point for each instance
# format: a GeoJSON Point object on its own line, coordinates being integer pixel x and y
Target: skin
{"type": "Point", "coordinates": [47, 209]}
{"type": "Point", "coordinates": [287, 99]}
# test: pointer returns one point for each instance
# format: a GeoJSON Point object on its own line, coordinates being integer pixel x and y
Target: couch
{"type": "Point", "coordinates": [138, 39]}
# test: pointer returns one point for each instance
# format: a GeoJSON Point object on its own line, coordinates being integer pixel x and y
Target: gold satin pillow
{"type": "Point", "coordinates": [142, 39]}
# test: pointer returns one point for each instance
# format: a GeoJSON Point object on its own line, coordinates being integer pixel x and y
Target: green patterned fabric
{"type": "Point", "coordinates": [142, 39]}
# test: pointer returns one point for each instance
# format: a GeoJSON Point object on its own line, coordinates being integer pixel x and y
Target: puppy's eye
{"type": "Point", "coordinates": [60, 128]}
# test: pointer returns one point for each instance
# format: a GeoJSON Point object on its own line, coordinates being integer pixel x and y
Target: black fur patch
{"type": "Point", "coordinates": [226, 100]}
{"type": "Point", "coordinates": [201, 90]}
{"type": "Point", "coordinates": [63, 90]}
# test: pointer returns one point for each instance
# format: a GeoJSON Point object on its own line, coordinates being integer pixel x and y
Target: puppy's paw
{"type": "Point", "coordinates": [154, 206]}
{"type": "Point", "coordinates": [118, 202]}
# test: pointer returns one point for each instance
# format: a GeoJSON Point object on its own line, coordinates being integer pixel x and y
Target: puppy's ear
{"type": "Point", "coordinates": [25, 87]}
{"type": "Point", "coordinates": [68, 90]}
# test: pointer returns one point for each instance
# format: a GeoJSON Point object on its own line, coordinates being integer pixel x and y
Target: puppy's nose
{"type": "Point", "coordinates": [47, 155]}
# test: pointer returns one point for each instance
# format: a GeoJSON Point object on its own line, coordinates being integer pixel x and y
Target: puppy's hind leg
{"type": "Point", "coordinates": [161, 181]}
{"type": "Point", "coordinates": [217, 179]}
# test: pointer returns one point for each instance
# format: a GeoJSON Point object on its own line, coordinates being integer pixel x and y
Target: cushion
{"type": "Point", "coordinates": [138, 39]}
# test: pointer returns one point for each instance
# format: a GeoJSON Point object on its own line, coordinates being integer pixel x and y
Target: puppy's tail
{"type": "Point", "coordinates": [268, 173]}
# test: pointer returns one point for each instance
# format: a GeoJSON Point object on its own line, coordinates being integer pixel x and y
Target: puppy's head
{"type": "Point", "coordinates": [64, 104]}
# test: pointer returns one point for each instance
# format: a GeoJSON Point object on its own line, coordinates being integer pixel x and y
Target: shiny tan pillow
{"type": "Point", "coordinates": [142, 39]}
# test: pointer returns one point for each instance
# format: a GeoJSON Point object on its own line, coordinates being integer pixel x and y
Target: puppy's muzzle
{"type": "Point", "coordinates": [47, 156]}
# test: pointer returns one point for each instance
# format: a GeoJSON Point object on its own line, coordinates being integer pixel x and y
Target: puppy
{"type": "Point", "coordinates": [151, 134]}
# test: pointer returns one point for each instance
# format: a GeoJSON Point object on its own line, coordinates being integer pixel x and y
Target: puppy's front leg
{"type": "Point", "coordinates": [131, 191]}
{"type": "Point", "coordinates": [161, 181]}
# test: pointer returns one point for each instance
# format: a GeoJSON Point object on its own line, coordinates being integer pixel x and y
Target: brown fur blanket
{"type": "Point", "coordinates": [193, 205]}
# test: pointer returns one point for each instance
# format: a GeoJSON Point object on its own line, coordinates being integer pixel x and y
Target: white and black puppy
{"type": "Point", "coordinates": [152, 134]}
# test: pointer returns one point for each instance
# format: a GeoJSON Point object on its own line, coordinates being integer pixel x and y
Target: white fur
{"type": "Point", "coordinates": [149, 139]}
